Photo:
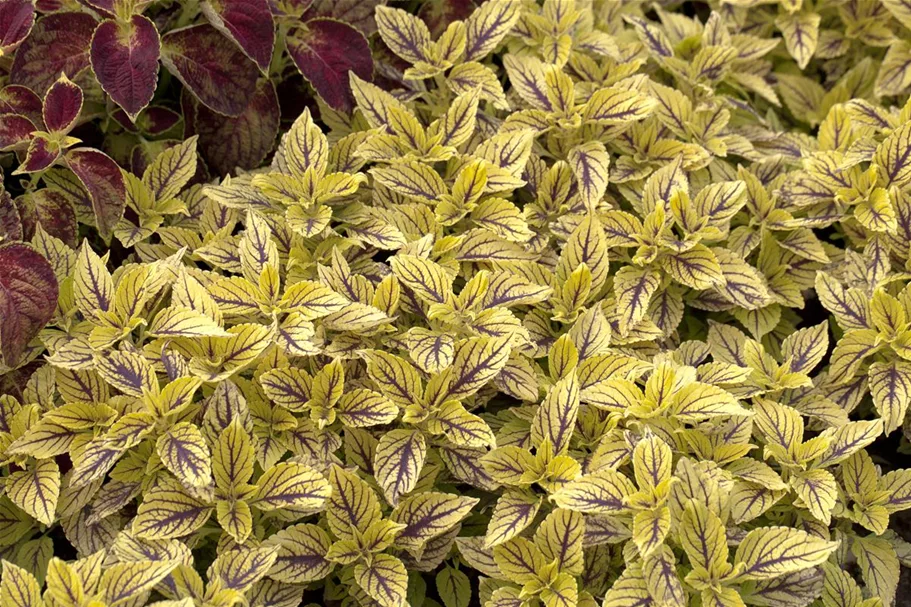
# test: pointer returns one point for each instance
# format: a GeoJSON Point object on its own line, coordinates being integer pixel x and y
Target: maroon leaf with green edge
{"type": "Point", "coordinates": [59, 43]}
{"type": "Point", "coordinates": [16, 20]}
{"type": "Point", "coordinates": [356, 13]}
{"type": "Point", "coordinates": [438, 14]}
{"type": "Point", "coordinates": [28, 297]}
{"type": "Point", "coordinates": [56, 215]}
{"type": "Point", "coordinates": [325, 51]}
{"type": "Point", "coordinates": [101, 176]}
{"type": "Point", "coordinates": [211, 66]}
{"type": "Point", "coordinates": [156, 120]}
{"type": "Point", "coordinates": [125, 60]}
{"type": "Point", "coordinates": [16, 99]}
{"type": "Point", "coordinates": [41, 154]}
{"type": "Point", "coordinates": [10, 220]}
{"type": "Point", "coordinates": [246, 22]}
{"type": "Point", "coordinates": [105, 7]}
{"type": "Point", "coordinates": [62, 104]}
{"type": "Point", "coordinates": [242, 141]}
{"type": "Point", "coordinates": [15, 131]}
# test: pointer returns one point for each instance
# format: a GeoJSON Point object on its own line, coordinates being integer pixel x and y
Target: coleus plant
{"type": "Point", "coordinates": [560, 304]}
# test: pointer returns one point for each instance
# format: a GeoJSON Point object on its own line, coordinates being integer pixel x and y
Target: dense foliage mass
{"type": "Point", "coordinates": [510, 304]}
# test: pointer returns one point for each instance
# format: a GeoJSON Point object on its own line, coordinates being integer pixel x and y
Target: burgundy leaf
{"type": "Point", "coordinates": [27, 215]}
{"type": "Point", "coordinates": [41, 154]}
{"type": "Point", "coordinates": [62, 105]}
{"type": "Point", "coordinates": [49, 6]}
{"type": "Point", "coordinates": [59, 43]}
{"type": "Point", "coordinates": [16, 20]}
{"type": "Point", "coordinates": [28, 297]}
{"type": "Point", "coordinates": [125, 60]}
{"type": "Point", "coordinates": [246, 22]}
{"type": "Point", "coordinates": [56, 215]}
{"type": "Point", "coordinates": [123, 120]}
{"type": "Point", "coordinates": [156, 120]}
{"type": "Point", "coordinates": [15, 131]}
{"type": "Point", "coordinates": [217, 72]}
{"type": "Point", "coordinates": [15, 99]}
{"type": "Point", "coordinates": [325, 51]}
{"type": "Point", "coordinates": [102, 178]}
{"type": "Point", "coordinates": [356, 13]}
{"type": "Point", "coordinates": [438, 14]}
{"type": "Point", "coordinates": [105, 7]}
{"type": "Point", "coordinates": [242, 141]}
{"type": "Point", "coordinates": [10, 222]}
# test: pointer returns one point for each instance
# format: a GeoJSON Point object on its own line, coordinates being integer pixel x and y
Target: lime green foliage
{"type": "Point", "coordinates": [604, 305]}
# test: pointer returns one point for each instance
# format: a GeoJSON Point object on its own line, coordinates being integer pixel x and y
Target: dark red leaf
{"type": "Point", "coordinates": [16, 20]}
{"type": "Point", "coordinates": [15, 99]}
{"type": "Point", "coordinates": [125, 60]}
{"type": "Point", "coordinates": [211, 66]}
{"type": "Point", "coordinates": [27, 215]}
{"type": "Point", "coordinates": [49, 6]}
{"type": "Point", "coordinates": [246, 22]}
{"type": "Point", "coordinates": [56, 215]}
{"type": "Point", "coordinates": [41, 154]}
{"type": "Point", "coordinates": [325, 51]}
{"type": "Point", "coordinates": [10, 222]}
{"type": "Point", "coordinates": [59, 43]}
{"type": "Point", "coordinates": [28, 297]}
{"type": "Point", "coordinates": [15, 131]}
{"type": "Point", "coordinates": [356, 13]}
{"type": "Point", "coordinates": [102, 178]}
{"type": "Point", "coordinates": [123, 120]}
{"type": "Point", "coordinates": [105, 7]}
{"type": "Point", "coordinates": [157, 120]}
{"type": "Point", "coordinates": [242, 141]}
{"type": "Point", "coordinates": [62, 105]}
{"type": "Point", "coordinates": [438, 14]}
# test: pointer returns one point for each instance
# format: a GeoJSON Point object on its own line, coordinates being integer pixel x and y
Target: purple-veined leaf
{"type": "Point", "coordinates": [398, 461]}
{"type": "Point", "coordinates": [487, 26]}
{"type": "Point", "coordinates": [288, 485]}
{"type": "Point", "coordinates": [216, 72]}
{"type": "Point", "coordinates": [429, 514]}
{"type": "Point", "coordinates": [768, 552]}
{"type": "Point", "coordinates": [325, 51]}
{"type": "Point", "coordinates": [16, 20]}
{"type": "Point", "coordinates": [239, 569]}
{"type": "Point", "coordinates": [59, 43]}
{"type": "Point", "coordinates": [125, 60]}
{"type": "Point", "coordinates": [302, 554]}
{"type": "Point", "coordinates": [103, 180]}
{"type": "Point", "coordinates": [168, 511]}
{"type": "Point", "coordinates": [248, 23]}
{"type": "Point", "coordinates": [28, 297]}
{"type": "Point", "coordinates": [62, 105]}
{"type": "Point", "coordinates": [556, 417]}
{"type": "Point", "coordinates": [242, 141]}
{"type": "Point", "coordinates": [385, 580]}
